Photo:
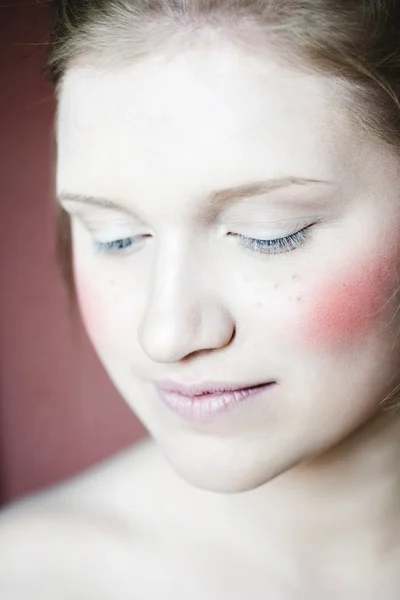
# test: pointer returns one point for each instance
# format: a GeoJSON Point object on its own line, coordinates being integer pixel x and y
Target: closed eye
{"type": "Point", "coordinates": [274, 246]}
{"type": "Point", "coordinates": [264, 246]}
{"type": "Point", "coordinates": [119, 246]}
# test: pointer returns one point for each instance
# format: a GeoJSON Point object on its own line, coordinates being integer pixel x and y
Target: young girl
{"type": "Point", "coordinates": [228, 180]}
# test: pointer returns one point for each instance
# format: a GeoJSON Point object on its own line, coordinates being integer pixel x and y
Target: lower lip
{"type": "Point", "coordinates": [208, 406]}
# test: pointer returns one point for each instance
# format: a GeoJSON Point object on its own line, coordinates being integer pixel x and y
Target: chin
{"type": "Point", "coordinates": [227, 473]}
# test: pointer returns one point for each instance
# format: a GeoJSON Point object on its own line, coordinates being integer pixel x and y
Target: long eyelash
{"type": "Point", "coordinates": [277, 246]}
{"type": "Point", "coordinates": [114, 246]}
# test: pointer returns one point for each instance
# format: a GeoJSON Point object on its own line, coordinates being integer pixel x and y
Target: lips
{"type": "Point", "coordinates": [204, 401]}
{"type": "Point", "coordinates": [207, 388]}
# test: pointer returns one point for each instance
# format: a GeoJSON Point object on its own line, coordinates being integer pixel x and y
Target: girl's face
{"type": "Point", "coordinates": [231, 228]}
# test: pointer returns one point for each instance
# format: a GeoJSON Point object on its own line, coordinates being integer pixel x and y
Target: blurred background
{"type": "Point", "coordinates": [59, 413]}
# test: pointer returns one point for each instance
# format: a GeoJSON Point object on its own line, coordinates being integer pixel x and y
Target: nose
{"type": "Point", "coordinates": [182, 316]}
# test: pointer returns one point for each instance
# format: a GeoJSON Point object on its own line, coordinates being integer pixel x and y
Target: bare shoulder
{"type": "Point", "coordinates": [51, 552]}
{"type": "Point", "coordinates": [92, 536]}
{"type": "Point", "coordinates": [105, 490]}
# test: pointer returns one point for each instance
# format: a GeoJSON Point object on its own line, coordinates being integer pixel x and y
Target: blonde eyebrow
{"type": "Point", "coordinates": [217, 196]}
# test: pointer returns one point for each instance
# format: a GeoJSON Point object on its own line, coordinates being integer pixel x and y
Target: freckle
{"type": "Point", "coordinates": [295, 278]}
{"type": "Point", "coordinates": [298, 299]}
{"type": "Point", "coordinates": [275, 286]}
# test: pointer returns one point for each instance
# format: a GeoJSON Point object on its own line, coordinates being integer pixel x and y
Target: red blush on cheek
{"type": "Point", "coordinates": [90, 306]}
{"type": "Point", "coordinates": [349, 306]}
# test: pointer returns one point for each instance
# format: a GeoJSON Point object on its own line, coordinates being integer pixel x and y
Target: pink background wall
{"type": "Point", "coordinates": [59, 412]}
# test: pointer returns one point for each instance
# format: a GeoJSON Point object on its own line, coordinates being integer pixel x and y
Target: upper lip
{"type": "Point", "coordinates": [205, 387]}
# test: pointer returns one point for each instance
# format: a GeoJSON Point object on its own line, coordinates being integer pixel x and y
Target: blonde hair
{"type": "Point", "coordinates": [354, 40]}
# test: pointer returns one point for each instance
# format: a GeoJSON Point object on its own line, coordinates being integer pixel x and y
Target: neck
{"type": "Point", "coordinates": [345, 503]}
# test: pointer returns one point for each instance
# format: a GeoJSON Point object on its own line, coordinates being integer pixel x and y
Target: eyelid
{"type": "Point", "coordinates": [307, 199]}
{"type": "Point", "coordinates": [90, 213]}
{"type": "Point", "coordinates": [270, 230]}
{"type": "Point", "coordinates": [115, 227]}
{"type": "Point", "coordinates": [273, 246]}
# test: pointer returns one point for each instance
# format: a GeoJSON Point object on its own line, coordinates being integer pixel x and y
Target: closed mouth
{"type": "Point", "coordinates": [204, 402]}
{"type": "Point", "coordinates": [208, 388]}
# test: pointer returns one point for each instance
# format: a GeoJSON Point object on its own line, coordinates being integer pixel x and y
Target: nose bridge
{"type": "Point", "coordinates": [183, 314]}
{"type": "Point", "coordinates": [172, 285]}
{"type": "Point", "coordinates": [174, 266]}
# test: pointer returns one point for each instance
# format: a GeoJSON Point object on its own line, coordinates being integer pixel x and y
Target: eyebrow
{"type": "Point", "coordinates": [218, 196]}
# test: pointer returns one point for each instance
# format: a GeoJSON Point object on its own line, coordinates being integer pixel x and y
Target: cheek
{"type": "Point", "coordinates": [91, 306]}
{"type": "Point", "coordinates": [352, 303]}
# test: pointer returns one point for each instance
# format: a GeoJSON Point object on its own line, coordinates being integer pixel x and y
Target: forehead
{"type": "Point", "coordinates": [208, 117]}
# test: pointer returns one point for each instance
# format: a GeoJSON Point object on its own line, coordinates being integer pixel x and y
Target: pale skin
{"type": "Point", "coordinates": [297, 494]}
